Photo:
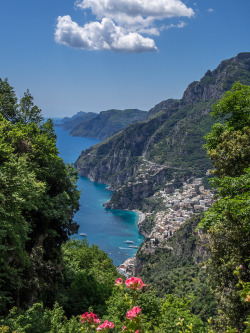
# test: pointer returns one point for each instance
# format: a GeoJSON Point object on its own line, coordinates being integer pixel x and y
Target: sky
{"type": "Point", "coordinates": [94, 55]}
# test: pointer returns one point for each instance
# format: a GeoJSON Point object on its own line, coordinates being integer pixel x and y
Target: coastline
{"type": "Point", "coordinates": [141, 217]}
{"type": "Point", "coordinates": [127, 267]}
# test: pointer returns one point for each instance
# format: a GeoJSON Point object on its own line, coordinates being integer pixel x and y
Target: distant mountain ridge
{"type": "Point", "coordinates": [102, 125]}
{"type": "Point", "coordinates": [167, 146]}
{"type": "Point", "coordinates": [68, 122]}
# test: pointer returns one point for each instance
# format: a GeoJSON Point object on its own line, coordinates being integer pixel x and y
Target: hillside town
{"type": "Point", "coordinates": [181, 204]}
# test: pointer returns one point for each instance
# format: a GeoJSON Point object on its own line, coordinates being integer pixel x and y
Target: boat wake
{"type": "Point", "coordinates": [124, 248]}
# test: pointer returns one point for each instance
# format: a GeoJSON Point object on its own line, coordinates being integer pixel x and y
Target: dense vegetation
{"type": "Point", "coordinates": [227, 223]}
{"type": "Point", "coordinates": [222, 237]}
{"type": "Point", "coordinates": [38, 200]}
{"type": "Point", "coordinates": [102, 125]}
{"type": "Point", "coordinates": [50, 280]}
{"type": "Point", "coordinates": [179, 269]}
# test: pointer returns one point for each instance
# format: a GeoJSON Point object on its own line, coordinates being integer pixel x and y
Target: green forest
{"type": "Point", "coordinates": [52, 283]}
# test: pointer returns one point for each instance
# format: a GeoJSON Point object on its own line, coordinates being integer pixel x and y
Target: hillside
{"type": "Point", "coordinates": [103, 125]}
{"type": "Point", "coordinates": [167, 146]}
{"type": "Point", "coordinates": [176, 268]}
{"type": "Point", "coordinates": [67, 123]}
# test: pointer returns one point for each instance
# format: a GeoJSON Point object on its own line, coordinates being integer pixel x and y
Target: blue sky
{"type": "Point", "coordinates": [93, 55]}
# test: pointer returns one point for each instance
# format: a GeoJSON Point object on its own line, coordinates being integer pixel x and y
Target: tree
{"type": "Point", "coordinates": [24, 112]}
{"type": "Point", "coordinates": [28, 112]}
{"type": "Point", "coordinates": [228, 144]}
{"type": "Point", "coordinates": [235, 107]}
{"type": "Point", "coordinates": [88, 278]}
{"type": "Point", "coordinates": [227, 222]}
{"type": "Point", "coordinates": [39, 198]}
{"type": "Point", "coordinates": [8, 101]}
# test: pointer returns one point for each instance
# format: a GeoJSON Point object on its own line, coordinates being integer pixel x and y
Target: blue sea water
{"type": "Point", "coordinates": [106, 228]}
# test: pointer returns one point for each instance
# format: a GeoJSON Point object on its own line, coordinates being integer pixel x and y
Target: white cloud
{"type": "Point", "coordinates": [120, 24]}
{"type": "Point", "coordinates": [210, 10]}
{"type": "Point", "coordinates": [179, 25]}
{"type": "Point", "coordinates": [136, 11]}
{"type": "Point", "coordinates": [104, 35]}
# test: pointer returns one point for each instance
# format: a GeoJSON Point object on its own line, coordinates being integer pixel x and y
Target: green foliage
{"type": "Point", "coordinates": [177, 271]}
{"type": "Point", "coordinates": [8, 101]}
{"type": "Point", "coordinates": [173, 311]}
{"type": "Point", "coordinates": [235, 107]}
{"type": "Point", "coordinates": [231, 153]}
{"type": "Point", "coordinates": [25, 112]}
{"type": "Point", "coordinates": [228, 145]}
{"type": "Point", "coordinates": [105, 124]}
{"type": "Point", "coordinates": [38, 199]}
{"type": "Point", "coordinates": [88, 277]}
{"type": "Point", "coordinates": [39, 320]}
{"type": "Point", "coordinates": [227, 221]}
{"type": "Point", "coordinates": [28, 112]}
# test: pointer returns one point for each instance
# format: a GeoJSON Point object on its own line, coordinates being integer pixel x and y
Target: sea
{"type": "Point", "coordinates": [107, 228]}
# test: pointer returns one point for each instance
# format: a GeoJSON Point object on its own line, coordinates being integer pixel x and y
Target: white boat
{"type": "Point", "coordinates": [134, 246]}
{"type": "Point", "coordinates": [83, 234]}
{"type": "Point", "coordinates": [129, 242]}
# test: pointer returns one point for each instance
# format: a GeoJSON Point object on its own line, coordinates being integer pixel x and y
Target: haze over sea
{"type": "Point", "coordinates": [106, 228]}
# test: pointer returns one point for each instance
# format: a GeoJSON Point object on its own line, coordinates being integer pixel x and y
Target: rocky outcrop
{"type": "Point", "coordinates": [215, 83]}
{"type": "Point", "coordinates": [143, 157]}
{"type": "Point", "coordinates": [117, 159]}
{"type": "Point", "coordinates": [162, 106]}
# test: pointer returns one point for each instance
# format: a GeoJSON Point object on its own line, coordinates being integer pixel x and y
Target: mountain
{"type": "Point", "coordinates": [167, 147]}
{"type": "Point", "coordinates": [107, 123]}
{"type": "Point", "coordinates": [67, 123]}
{"type": "Point", "coordinates": [103, 125]}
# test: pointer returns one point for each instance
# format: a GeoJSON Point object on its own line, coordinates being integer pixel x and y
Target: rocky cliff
{"type": "Point", "coordinates": [167, 146]}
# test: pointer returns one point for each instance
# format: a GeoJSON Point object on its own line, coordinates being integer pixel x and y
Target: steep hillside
{"type": "Point", "coordinates": [68, 123]}
{"type": "Point", "coordinates": [177, 268]}
{"type": "Point", "coordinates": [167, 146]}
{"type": "Point", "coordinates": [107, 123]}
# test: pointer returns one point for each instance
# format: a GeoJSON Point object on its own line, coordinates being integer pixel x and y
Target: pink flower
{"type": "Point", "coordinates": [240, 267]}
{"type": "Point", "coordinates": [118, 282]}
{"type": "Point", "coordinates": [90, 318]}
{"type": "Point", "coordinates": [124, 327]}
{"type": "Point", "coordinates": [131, 314]}
{"type": "Point", "coordinates": [134, 283]}
{"type": "Point", "coordinates": [137, 331]}
{"type": "Point", "coordinates": [106, 325]}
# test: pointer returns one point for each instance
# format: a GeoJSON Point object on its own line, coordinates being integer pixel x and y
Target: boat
{"type": "Point", "coordinates": [134, 246]}
{"type": "Point", "coordinates": [83, 234]}
{"type": "Point", "coordinates": [129, 242]}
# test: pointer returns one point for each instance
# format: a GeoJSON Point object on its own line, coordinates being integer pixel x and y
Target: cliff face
{"type": "Point", "coordinates": [167, 146]}
{"type": "Point", "coordinates": [162, 106]}
{"type": "Point", "coordinates": [118, 158]}
{"type": "Point", "coordinates": [215, 83]}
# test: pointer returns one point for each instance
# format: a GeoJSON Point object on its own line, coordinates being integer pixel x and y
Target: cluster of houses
{"type": "Point", "coordinates": [180, 205]}
{"type": "Point", "coordinates": [127, 267]}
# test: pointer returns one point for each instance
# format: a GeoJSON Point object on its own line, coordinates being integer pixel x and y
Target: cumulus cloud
{"type": "Point", "coordinates": [136, 11]}
{"type": "Point", "coordinates": [210, 10]}
{"type": "Point", "coordinates": [120, 24]}
{"type": "Point", "coordinates": [104, 35]}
